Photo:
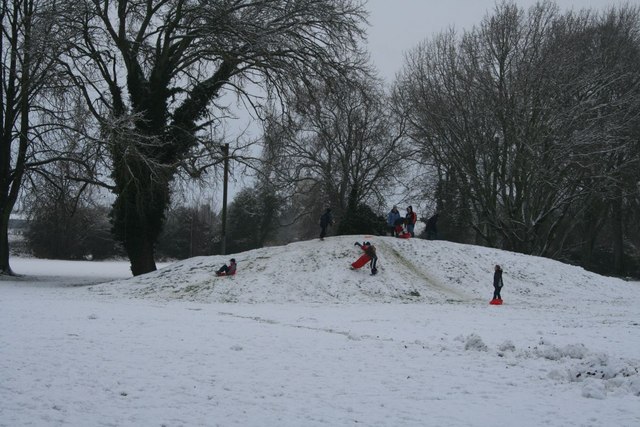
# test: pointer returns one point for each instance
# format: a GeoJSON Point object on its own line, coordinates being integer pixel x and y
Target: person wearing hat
{"type": "Point", "coordinates": [227, 270]}
{"type": "Point", "coordinates": [392, 219]}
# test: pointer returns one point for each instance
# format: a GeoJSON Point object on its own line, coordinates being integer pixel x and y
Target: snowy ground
{"type": "Point", "coordinates": [298, 339]}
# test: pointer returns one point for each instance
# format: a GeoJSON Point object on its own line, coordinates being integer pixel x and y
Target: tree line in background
{"type": "Point", "coordinates": [523, 133]}
{"type": "Point", "coordinates": [531, 122]}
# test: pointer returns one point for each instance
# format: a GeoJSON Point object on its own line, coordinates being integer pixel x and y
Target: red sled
{"type": "Point", "coordinates": [360, 262]}
{"type": "Point", "coordinates": [405, 235]}
{"type": "Point", "coordinates": [496, 302]}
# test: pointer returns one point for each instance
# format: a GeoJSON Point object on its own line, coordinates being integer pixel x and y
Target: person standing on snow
{"type": "Point", "coordinates": [432, 227]}
{"type": "Point", "coordinates": [392, 218]}
{"type": "Point", "coordinates": [497, 283]}
{"type": "Point", "coordinates": [410, 220]}
{"type": "Point", "coordinates": [325, 220]}
{"type": "Point", "coordinates": [369, 255]}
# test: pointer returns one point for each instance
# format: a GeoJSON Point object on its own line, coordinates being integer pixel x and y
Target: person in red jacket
{"type": "Point", "coordinates": [399, 227]}
{"type": "Point", "coordinates": [410, 219]}
{"type": "Point", "coordinates": [369, 255]}
{"type": "Point", "coordinates": [228, 270]}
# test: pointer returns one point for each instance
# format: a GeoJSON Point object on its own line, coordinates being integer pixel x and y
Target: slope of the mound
{"type": "Point", "coordinates": [412, 270]}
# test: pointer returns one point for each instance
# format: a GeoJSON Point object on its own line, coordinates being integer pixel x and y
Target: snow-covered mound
{"type": "Point", "coordinates": [418, 344]}
{"type": "Point", "coordinates": [412, 270]}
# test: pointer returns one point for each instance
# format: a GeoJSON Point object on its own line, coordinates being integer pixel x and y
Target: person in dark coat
{"type": "Point", "coordinates": [228, 270]}
{"type": "Point", "coordinates": [325, 220]}
{"type": "Point", "coordinates": [432, 227]}
{"type": "Point", "coordinates": [497, 283]}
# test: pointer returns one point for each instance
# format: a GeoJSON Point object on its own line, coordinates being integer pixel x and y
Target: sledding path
{"type": "Point", "coordinates": [425, 282]}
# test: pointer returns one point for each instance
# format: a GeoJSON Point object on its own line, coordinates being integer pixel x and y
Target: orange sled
{"type": "Point", "coordinates": [360, 262]}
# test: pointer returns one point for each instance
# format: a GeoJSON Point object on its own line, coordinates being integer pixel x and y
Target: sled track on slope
{"type": "Point", "coordinates": [447, 291]}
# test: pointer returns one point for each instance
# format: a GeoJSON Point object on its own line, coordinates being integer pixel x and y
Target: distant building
{"type": "Point", "coordinates": [18, 224]}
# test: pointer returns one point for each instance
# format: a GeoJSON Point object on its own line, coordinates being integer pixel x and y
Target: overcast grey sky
{"type": "Point", "coordinates": [399, 25]}
{"type": "Point", "coordinates": [396, 26]}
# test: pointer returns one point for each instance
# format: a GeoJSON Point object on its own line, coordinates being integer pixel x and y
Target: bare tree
{"type": "Point", "coordinates": [598, 77]}
{"type": "Point", "coordinates": [65, 222]}
{"type": "Point", "coordinates": [28, 45]}
{"type": "Point", "coordinates": [157, 67]}
{"type": "Point", "coordinates": [339, 141]}
{"type": "Point", "coordinates": [529, 119]}
{"type": "Point", "coordinates": [480, 107]}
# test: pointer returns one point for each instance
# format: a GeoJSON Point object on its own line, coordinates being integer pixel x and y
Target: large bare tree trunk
{"type": "Point", "coordinates": [140, 250]}
{"type": "Point", "coordinates": [16, 98]}
{"type": "Point", "coordinates": [5, 268]}
{"type": "Point", "coordinates": [139, 210]}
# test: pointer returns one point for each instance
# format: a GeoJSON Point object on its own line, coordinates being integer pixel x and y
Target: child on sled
{"type": "Point", "coordinates": [227, 270]}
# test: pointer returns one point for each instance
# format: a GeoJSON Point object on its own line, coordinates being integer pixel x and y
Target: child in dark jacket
{"type": "Point", "coordinates": [497, 283]}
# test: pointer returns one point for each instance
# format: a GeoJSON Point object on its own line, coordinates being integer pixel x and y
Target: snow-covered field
{"type": "Point", "coordinates": [298, 339]}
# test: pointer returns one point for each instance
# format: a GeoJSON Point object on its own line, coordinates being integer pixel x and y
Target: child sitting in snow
{"type": "Point", "coordinates": [227, 270]}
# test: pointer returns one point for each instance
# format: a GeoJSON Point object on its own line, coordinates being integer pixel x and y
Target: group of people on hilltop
{"type": "Point", "coordinates": [399, 226]}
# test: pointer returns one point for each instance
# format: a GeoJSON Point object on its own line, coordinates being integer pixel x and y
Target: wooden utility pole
{"type": "Point", "coordinates": [223, 243]}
